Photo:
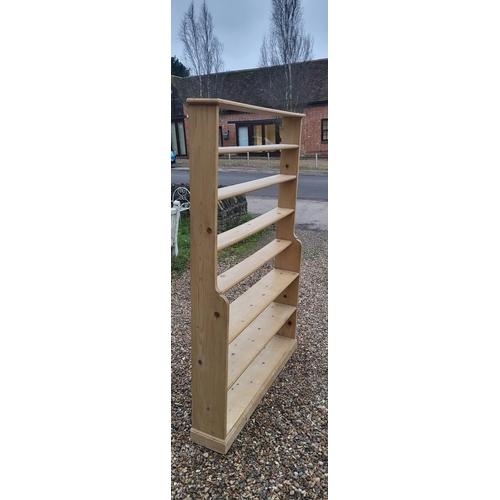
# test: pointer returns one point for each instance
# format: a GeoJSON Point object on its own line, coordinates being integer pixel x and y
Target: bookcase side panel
{"type": "Point", "coordinates": [290, 258]}
{"type": "Point", "coordinates": [209, 310]}
{"type": "Point", "coordinates": [287, 197]}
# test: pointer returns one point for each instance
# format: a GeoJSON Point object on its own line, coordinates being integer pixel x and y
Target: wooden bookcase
{"type": "Point", "coordinates": [239, 348]}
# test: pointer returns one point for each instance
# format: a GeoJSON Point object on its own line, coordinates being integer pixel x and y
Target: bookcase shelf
{"type": "Point", "coordinates": [247, 187]}
{"type": "Point", "coordinates": [245, 268]}
{"type": "Point", "coordinates": [256, 149]}
{"type": "Point", "coordinates": [245, 230]}
{"type": "Point", "coordinates": [239, 347]}
{"type": "Point", "coordinates": [244, 348]}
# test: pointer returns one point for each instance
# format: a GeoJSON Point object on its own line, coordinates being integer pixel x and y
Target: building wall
{"type": "Point", "coordinates": [231, 127]}
{"type": "Point", "coordinates": [311, 129]}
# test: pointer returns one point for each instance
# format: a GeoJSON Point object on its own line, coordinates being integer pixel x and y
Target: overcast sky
{"type": "Point", "coordinates": [240, 25]}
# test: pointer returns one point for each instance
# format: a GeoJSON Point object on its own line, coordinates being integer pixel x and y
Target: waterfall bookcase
{"type": "Point", "coordinates": [239, 348]}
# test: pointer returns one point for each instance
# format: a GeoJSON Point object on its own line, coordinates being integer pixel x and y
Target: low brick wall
{"type": "Point", "coordinates": [231, 212]}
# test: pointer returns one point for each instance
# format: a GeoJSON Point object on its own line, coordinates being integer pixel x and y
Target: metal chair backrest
{"type": "Point", "coordinates": [182, 195]}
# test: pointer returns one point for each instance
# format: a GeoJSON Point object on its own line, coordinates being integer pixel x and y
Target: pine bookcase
{"type": "Point", "coordinates": [239, 348]}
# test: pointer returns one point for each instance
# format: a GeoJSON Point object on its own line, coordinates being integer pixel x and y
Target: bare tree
{"type": "Point", "coordinates": [202, 50]}
{"type": "Point", "coordinates": [286, 45]}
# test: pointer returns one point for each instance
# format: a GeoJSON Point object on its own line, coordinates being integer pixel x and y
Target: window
{"type": "Point", "coordinates": [243, 135]}
{"type": "Point", "coordinates": [324, 130]}
{"type": "Point", "coordinates": [178, 137]}
{"type": "Point", "coordinates": [256, 133]}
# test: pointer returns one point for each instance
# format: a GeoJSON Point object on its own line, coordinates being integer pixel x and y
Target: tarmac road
{"type": "Point", "coordinates": [312, 185]}
{"type": "Point", "coordinates": [311, 214]}
{"type": "Point", "coordinates": [312, 204]}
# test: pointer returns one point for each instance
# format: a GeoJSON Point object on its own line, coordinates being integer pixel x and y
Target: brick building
{"type": "Point", "coordinates": [253, 87]}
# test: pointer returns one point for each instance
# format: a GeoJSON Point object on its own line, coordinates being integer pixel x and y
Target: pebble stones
{"type": "Point", "coordinates": [282, 452]}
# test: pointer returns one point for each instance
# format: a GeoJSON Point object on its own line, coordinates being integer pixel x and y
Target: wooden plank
{"type": "Point", "coordinates": [287, 197]}
{"type": "Point", "coordinates": [244, 108]}
{"type": "Point", "coordinates": [208, 441]}
{"type": "Point", "coordinates": [245, 268]}
{"type": "Point", "coordinates": [239, 233]}
{"type": "Point", "coordinates": [209, 310]}
{"type": "Point", "coordinates": [247, 187]}
{"type": "Point", "coordinates": [248, 390]}
{"type": "Point", "coordinates": [224, 150]}
{"type": "Point", "coordinates": [251, 303]}
{"type": "Point", "coordinates": [250, 342]}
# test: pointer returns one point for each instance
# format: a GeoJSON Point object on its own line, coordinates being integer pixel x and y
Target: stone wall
{"type": "Point", "coordinates": [231, 212]}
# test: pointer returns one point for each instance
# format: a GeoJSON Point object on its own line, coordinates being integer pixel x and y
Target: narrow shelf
{"type": "Point", "coordinates": [239, 233]}
{"type": "Point", "coordinates": [251, 303]}
{"type": "Point", "coordinates": [244, 349]}
{"type": "Point", "coordinates": [248, 390]}
{"type": "Point", "coordinates": [246, 187]}
{"type": "Point", "coordinates": [245, 108]}
{"type": "Point", "coordinates": [245, 268]}
{"type": "Point", "coordinates": [255, 149]}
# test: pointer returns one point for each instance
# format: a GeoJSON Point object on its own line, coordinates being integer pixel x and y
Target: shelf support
{"type": "Point", "coordinates": [291, 257]}
{"type": "Point", "coordinates": [209, 309]}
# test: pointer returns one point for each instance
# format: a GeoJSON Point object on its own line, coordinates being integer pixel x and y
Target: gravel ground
{"type": "Point", "coordinates": [282, 451]}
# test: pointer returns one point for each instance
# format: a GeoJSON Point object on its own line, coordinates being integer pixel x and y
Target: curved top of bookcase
{"type": "Point", "coordinates": [244, 108]}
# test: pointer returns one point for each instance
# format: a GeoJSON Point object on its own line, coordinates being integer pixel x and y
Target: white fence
{"type": "Point", "coordinates": [180, 203]}
{"type": "Point", "coordinates": [175, 212]}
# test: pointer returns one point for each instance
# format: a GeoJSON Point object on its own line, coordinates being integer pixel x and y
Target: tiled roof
{"type": "Point", "coordinates": [248, 85]}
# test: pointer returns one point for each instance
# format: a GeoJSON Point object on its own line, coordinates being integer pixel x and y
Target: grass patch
{"type": "Point", "coordinates": [244, 247]}
{"type": "Point", "coordinates": [180, 263]}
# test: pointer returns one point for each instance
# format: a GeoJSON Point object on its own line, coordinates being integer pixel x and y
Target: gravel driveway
{"type": "Point", "coordinates": [282, 450]}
